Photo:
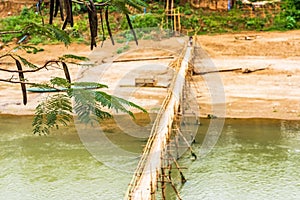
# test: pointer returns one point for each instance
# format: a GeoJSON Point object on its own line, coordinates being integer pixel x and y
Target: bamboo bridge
{"type": "Point", "coordinates": [156, 158]}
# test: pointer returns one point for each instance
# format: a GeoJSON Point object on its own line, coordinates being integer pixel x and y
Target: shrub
{"type": "Point", "coordinates": [255, 24]}
{"type": "Point", "coordinates": [290, 22]}
{"type": "Point", "coordinates": [123, 49]}
{"type": "Point", "coordinates": [143, 21]}
{"type": "Point", "coordinates": [17, 23]}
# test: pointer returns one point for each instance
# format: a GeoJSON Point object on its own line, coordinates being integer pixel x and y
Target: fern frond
{"type": "Point", "coordinates": [60, 82]}
{"type": "Point", "coordinates": [27, 63]}
{"type": "Point", "coordinates": [89, 105]}
{"type": "Point", "coordinates": [121, 5]}
{"type": "Point", "coordinates": [32, 49]}
{"type": "Point", "coordinates": [110, 102]}
{"type": "Point", "coordinates": [48, 30]}
{"type": "Point", "coordinates": [116, 103]}
{"type": "Point", "coordinates": [130, 104]}
{"type": "Point", "coordinates": [42, 85]}
{"type": "Point", "coordinates": [81, 64]}
{"type": "Point", "coordinates": [51, 113]}
{"type": "Point", "coordinates": [84, 104]}
{"type": "Point", "coordinates": [67, 57]}
{"type": "Point", "coordinates": [101, 114]}
{"type": "Point", "coordinates": [137, 4]}
{"type": "Point", "coordinates": [59, 34]}
{"type": "Point", "coordinates": [89, 85]}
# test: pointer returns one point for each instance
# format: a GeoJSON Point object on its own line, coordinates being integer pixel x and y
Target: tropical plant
{"type": "Point", "coordinates": [56, 110]}
{"type": "Point", "coordinates": [93, 8]}
{"type": "Point", "coordinates": [88, 105]}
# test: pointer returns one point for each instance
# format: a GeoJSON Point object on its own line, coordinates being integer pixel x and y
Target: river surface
{"type": "Point", "coordinates": [253, 159]}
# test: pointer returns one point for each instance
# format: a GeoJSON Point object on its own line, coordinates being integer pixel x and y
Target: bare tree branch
{"type": "Point", "coordinates": [11, 81]}
{"type": "Point", "coordinates": [31, 70]}
{"type": "Point", "coordinates": [10, 32]}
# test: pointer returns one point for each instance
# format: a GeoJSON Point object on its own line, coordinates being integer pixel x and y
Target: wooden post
{"type": "Point", "coordinates": [174, 21]}
{"type": "Point", "coordinates": [176, 147]}
{"type": "Point", "coordinates": [179, 23]}
{"type": "Point", "coordinates": [163, 184]}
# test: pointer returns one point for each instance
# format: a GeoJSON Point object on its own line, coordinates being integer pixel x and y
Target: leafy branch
{"type": "Point", "coordinates": [56, 110]}
{"type": "Point", "coordinates": [89, 106]}
{"type": "Point", "coordinates": [51, 113]}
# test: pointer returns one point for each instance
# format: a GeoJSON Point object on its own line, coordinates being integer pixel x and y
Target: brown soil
{"type": "Point", "coordinates": [270, 93]}
{"type": "Point", "coordinates": [13, 7]}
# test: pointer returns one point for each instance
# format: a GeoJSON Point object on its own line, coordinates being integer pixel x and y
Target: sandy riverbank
{"type": "Point", "coordinates": [270, 93]}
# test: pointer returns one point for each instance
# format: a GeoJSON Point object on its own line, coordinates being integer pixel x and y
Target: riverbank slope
{"type": "Point", "coordinates": [272, 92]}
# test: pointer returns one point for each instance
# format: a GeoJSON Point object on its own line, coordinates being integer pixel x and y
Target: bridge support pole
{"type": "Point", "coordinates": [151, 162]}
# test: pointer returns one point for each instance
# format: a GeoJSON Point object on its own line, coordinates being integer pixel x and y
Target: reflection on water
{"type": "Point", "coordinates": [253, 159]}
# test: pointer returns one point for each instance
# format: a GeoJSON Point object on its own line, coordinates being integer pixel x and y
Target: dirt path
{"type": "Point", "coordinates": [270, 93]}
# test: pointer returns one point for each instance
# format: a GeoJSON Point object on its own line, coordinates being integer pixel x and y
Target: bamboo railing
{"type": "Point", "coordinates": [144, 181]}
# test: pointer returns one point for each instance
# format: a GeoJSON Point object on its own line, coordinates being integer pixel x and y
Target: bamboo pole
{"type": "Point", "coordinates": [151, 159]}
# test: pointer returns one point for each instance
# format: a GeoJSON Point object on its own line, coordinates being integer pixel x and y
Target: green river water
{"type": "Point", "coordinates": [253, 159]}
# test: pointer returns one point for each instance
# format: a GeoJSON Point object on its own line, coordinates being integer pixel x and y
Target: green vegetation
{"type": "Point", "coordinates": [144, 21]}
{"type": "Point", "coordinates": [18, 23]}
{"type": "Point", "coordinates": [31, 28]}
{"type": "Point", "coordinates": [80, 25]}
{"type": "Point", "coordinates": [203, 21]}
{"type": "Point", "coordinates": [28, 26]}
{"type": "Point", "coordinates": [194, 21]}
{"type": "Point", "coordinates": [88, 105]}
{"type": "Point", "coordinates": [55, 110]}
{"type": "Point", "coordinates": [123, 49]}
{"type": "Point", "coordinates": [197, 21]}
